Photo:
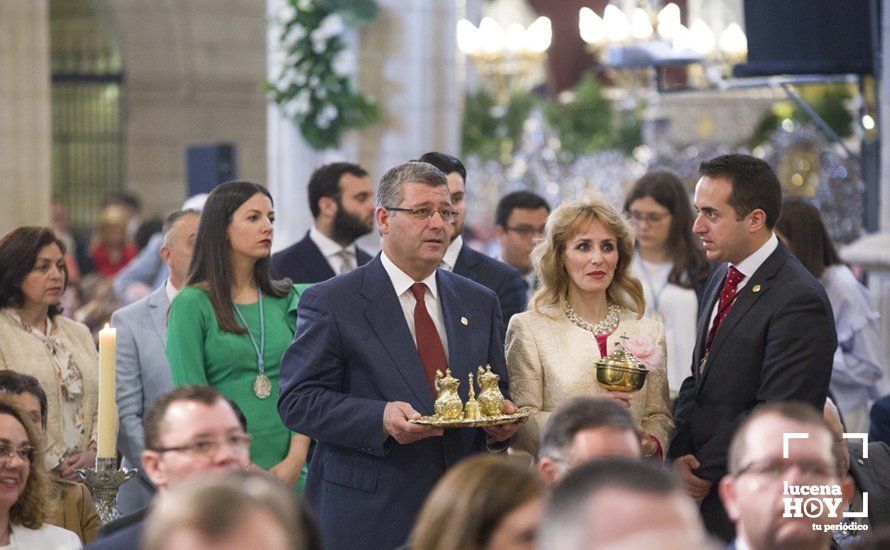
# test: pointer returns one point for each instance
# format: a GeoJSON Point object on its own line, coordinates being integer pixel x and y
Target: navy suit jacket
{"type": "Point", "coordinates": [123, 533]}
{"type": "Point", "coordinates": [503, 279]}
{"type": "Point", "coordinates": [352, 353]}
{"type": "Point", "coordinates": [776, 343]}
{"type": "Point", "coordinates": [303, 262]}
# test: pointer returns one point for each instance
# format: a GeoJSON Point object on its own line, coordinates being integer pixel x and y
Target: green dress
{"type": "Point", "coordinates": [200, 353]}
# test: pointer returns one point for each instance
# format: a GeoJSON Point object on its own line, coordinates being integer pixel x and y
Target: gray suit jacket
{"type": "Point", "coordinates": [143, 374]}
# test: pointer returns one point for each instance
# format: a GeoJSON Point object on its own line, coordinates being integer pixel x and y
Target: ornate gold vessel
{"type": "Point", "coordinates": [621, 371]}
{"type": "Point", "coordinates": [448, 405]}
{"type": "Point", "coordinates": [487, 410]}
{"type": "Point", "coordinates": [491, 400]}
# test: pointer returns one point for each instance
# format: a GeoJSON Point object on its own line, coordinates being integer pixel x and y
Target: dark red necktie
{"type": "Point", "coordinates": [727, 295]}
{"type": "Point", "coordinates": [429, 345]}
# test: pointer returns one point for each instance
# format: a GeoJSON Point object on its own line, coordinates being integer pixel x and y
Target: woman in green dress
{"type": "Point", "coordinates": [230, 325]}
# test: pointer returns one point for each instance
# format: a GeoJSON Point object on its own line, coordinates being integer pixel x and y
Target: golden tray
{"type": "Point", "coordinates": [436, 422]}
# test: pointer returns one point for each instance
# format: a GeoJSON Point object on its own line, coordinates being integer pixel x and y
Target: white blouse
{"type": "Point", "coordinates": [677, 308]}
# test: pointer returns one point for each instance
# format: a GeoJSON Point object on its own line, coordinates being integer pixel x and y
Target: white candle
{"type": "Point", "coordinates": [107, 408]}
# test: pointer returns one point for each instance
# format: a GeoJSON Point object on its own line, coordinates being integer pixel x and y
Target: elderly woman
{"type": "Point", "coordinates": [24, 491]}
{"type": "Point", "coordinates": [587, 302]}
{"type": "Point", "coordinates": [59, 352]}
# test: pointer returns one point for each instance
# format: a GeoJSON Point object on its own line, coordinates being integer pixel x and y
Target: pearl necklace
{"type": "Point", "coordinates": [605, 326]}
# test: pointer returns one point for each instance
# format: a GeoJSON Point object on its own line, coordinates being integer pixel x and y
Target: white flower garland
{"type": "Point", "coordinates": [314, 87]}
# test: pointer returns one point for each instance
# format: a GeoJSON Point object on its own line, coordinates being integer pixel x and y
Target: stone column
{"type": "Point", "coordinates": [408, 62]}
{"type": "Point", "coordinates": [25, 110]}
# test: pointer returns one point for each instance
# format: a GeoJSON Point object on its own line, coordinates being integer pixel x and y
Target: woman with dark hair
{"type": "Point", "coordinates": [59, 352]}
{"type": "Point", "coordinates": [858, 371]}
{"type": "Point", "coordinates": [587, 302]}
{"type": "Point", "coordinates": [485, 502]}
{"type": "Point", "coordinates": [24, 493]}
{"type": "Point", "coordinates": [670, 262]}
{"type": "Point", "coordinates": [230, 325]}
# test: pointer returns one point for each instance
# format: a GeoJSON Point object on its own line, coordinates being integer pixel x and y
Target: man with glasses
{"type": "Point", "coordinates": [520, 219]}
{"type": "Point", "coordinates": [363, 362]}
{"type": "Point", "coordinates": [189, 431]}
{"type": "Point", "coordinates": [582, 430]}
{"type": "Point", "coordinates": [760, 478]}
{"type": "Point", "coordinates": [472, 264]}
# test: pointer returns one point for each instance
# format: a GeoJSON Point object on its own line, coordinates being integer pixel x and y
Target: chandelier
{"type": "Point", "coordinates": [647, 38]}
{"type": "Point", "coordinates": [505, 57]}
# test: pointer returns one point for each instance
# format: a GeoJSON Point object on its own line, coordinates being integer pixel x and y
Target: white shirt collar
{"type": "Point", "coordinates": [452, 253]}
{"type": "Point", "coordinates": [741, 543]}
{"type": "Point", "coordinates": [401, 281]}
{"type": "Point", "coordinates": [328, 246]}
{"type": "Point", "coordinates": [752, 263]}
{"type": "Point", "coordinates": [170, 290]}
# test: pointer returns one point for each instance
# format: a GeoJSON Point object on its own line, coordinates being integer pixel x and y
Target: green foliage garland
{"type": "Point", "coordinates": [585, 123]}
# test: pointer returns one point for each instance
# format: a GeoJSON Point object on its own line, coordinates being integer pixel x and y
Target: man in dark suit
{"type": "Point", "coordinates": [763, 464]}
{"type": "Point", "coordinates": [765, 331]}
{"type": "Point", "coordinates": [869, 468]}
{"type": "Point", "coordinates": [363, 362]}
{"type": "Point", "coordinates": [189, 431]}
{"type": "Point", "coordinates": [341, 199]}
{"type": "Point", "coordinates": [520, 219]}
{"type": "Point", "coordinates": [505, 281]}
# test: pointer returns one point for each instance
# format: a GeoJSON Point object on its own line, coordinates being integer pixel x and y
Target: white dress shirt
{"type": "Point", "coordinates": [451, 254]}
{"type": "Point", "coordinates": [170, 290]}
{"type": "Point", "coordinates": [402, 282]}
{"type": "Point", "coordinates": [676, 307]}
{"type": "Point", "coordinates": [749, 266]}
{"type": "Point", "coordinates": [333, 252]}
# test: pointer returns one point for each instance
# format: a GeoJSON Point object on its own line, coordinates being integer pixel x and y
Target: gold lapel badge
{"type": "Point", "coordinates": [463, 321]}
{"type": "Point", "coordinates": [756, 288]}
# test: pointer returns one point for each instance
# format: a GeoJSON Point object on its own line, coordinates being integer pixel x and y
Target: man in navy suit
{"type": "Point", "coordinates": [505, 281]}
{"type": "Point", "coordinates": [765, 330]}
{"type": "Point", "coordinates": [362, 364]}
{"type": "Point", "coordinates": [341, 199]}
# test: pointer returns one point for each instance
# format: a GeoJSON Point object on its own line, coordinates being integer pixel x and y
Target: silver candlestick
{"type": "Point", "coordinates": [104, 482]}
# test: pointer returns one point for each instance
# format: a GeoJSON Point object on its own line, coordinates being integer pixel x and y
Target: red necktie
{"type": "Point", "coordinates": [727, 295]}
{"type": "Point", "coordinates": [429, 345]}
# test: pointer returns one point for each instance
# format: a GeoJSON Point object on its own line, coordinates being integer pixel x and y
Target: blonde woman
{"type": "Point", "coordinates": [587, 302]}
{"type": "Point", "coordinates": [111, 249]}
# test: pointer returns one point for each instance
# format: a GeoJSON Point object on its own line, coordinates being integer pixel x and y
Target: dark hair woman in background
{"type": "Point", "coordinates": [670, 262]}
{"type": "Point", "coordinates": [59, 352]}
{"type": "Point", "coordinates": [856, 379]}
{"type": "Point", "coordinates": [230, 325]}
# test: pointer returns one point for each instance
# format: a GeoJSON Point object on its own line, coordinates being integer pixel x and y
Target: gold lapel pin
{"type": "Point", "coordinates": [463, 321]}
{"type": "Point", "coordinates": [756, 288]}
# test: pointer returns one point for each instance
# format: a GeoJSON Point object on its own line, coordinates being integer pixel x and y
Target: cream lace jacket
{"type": "Point", "coordinates": [550, 359]}
{"type": "Point", "coordinates": [23, 352]}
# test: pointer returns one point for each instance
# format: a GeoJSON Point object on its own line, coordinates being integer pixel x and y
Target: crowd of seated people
{"type": "Point", "coordinates": [272, 400]}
